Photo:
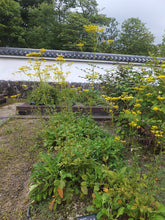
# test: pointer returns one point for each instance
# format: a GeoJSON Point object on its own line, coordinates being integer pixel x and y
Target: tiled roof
{"type": "Point", "coordinates": [78, 55]}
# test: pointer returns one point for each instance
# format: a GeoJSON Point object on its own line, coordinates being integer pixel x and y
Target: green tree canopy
{"type": "Point", "coordinates": [135, 38]}
{"type": "Point", "coordinates": [11, 32]}
{"type": "Point", "coordinates": [162, 46]}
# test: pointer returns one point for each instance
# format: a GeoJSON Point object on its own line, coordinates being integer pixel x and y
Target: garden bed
{"type": "Point", "coordinates": [97, 112]}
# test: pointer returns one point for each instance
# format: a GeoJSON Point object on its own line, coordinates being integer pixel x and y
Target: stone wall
{"type": "Point", "coordinates": [9, 88]}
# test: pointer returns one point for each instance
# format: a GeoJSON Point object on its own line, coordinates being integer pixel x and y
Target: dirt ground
{"type": "Point", "coordinates": [18, 138]}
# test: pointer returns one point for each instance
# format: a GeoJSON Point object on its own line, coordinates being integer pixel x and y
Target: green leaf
{"type": "Point", "coordinates": [90, 209]}
{"type": "Point", "coordinates": [120, 211]}
{"type": "Point", "coordinates": [157, 217]}
{"type": "Point", "coordinates": [84, 188]}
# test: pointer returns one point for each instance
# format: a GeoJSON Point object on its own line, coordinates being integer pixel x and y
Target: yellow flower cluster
{"type": "Point", "coordinates": [127, 98]}
{"type": "Point", "coordinates": [110, 41]}
{"type": "Point", "coordinates": [160, 98]}
{"type": "Point", "coordinates": [80, 45]}
{"type": "Point", "coordinates": [156, 109]}
{"type": "Point", "coordinates": [149, 94]}
{"type": "Point", "coordinates": [161, 77]}
{"type": "Point", "coordinates": [43, 50]}
{"type": "Point", "coordinates": [137, 105]}
{"type": "Point", "coordinates": [118, 139]}
{"type": "Point", "coordinates": [138, 88]}
{"type": "Point", "coordinates": [34, 54]}
{"type": "Point", "coordinates": [60, 58]}
{"type": "Point", "coordinates": [156, 132]}
{"type": "Point", "coordinates": [150, 79]}
{"type": "Point", "coordinates": [134, 124]}
{"type": "Point", "coordinates": [93, 28]}
{"type": "Point", "coordinates": [14, 96]}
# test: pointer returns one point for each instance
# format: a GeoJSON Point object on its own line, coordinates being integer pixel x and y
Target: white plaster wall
{"type": "Point", "coordinates": [9, 65]}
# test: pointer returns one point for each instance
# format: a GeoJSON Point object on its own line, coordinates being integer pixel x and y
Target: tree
{"type": "Point", "coordinates": [135, 38]}
{"type": "Point", "coordinates": [42, 26]}
{"type": "Point", "coordinates": [25, 4]}
{"type": "Point", "coordinates": [11, 32]}
{"type": "Point", "coordinates": [162, 46]}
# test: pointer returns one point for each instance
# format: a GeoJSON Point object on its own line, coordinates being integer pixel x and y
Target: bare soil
{"type": "Point", "coordinates": [18, 139]}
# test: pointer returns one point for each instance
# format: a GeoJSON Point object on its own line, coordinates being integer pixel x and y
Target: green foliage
{"type": "Point", "coordinates": [135, 38]}
{"type": "Point", "coordinates": [41, 28]}
{"type": "Point", "coordinates": [83, 149]}
{"type": "Point", "coordinates": [11, 32]}
{"type": "Point", "coordinates": [44, 94]}
{"type": "Point", "coordinates": [140, 100]}
{"type": "Point", "coordinates": [125, 193]}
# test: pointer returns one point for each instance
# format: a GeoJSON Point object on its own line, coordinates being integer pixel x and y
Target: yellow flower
{"type": "Point", "coordinates": [33, 54]}
{"type": "Point", "coordinates": [110, 41]}
{"type": "Point", "coordinates": [13, 96]}
{"type": "Point", "coordinates": [160, 98]}
{"type": "Point", "coordinates": [161, 77]}
{"type": "Point", "coordinates": [116, 106]}
{"type": "Point", "coordinates": [110, 111]}
{"type": "Point", "coordinates": [59, 58]}
{"type": "Point", "coordinates": [138, 100]}
{"type": "Point", "coordinates": [137, 88]}
{"type": "Point", "coordinates": [163, 66]}
{"type": "Point", "coordinates": [132, 124]}
{"type": "Point", "coordinates": [80, 45]}
{"type": "Point", "coordinates": [138, 112]}
{"type": "Point", "coordinates": [137, 105]}
{"type": "Point", "coordinates": [24, 86]}
{"type": "Point", "coordinates": [156, 109]}
{"type": "Point", "coordinates": [43, 50]}
{"type": "Point", "coordinates": [149, 94]}
{"type": "Point", "coordinates": [93, 28]}
{"type": "Point", "coordinates": [86, 90]}
{"type": "Point", "coordinates": [127, 98]}
{"type": "Point", "coordinates": [6, 97]}
{"type": "Point", "coordinates": [104, 41]}
{"type": "Point", "coordinates": [150, 79]}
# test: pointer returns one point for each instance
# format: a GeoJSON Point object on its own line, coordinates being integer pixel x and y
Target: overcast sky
{"type": "Point", "coordinates": [150, 12]}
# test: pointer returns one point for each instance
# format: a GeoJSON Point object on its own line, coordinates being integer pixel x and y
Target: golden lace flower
{"type": "Point", "coordinates": [115, 106]}
{"type": "Point", "coordinates": [93, 28]}
{"type": "Point", "coordinates": [110, 41]}
{"type": "Point", "coordinates": [59, 57]}
{"type": "Point", "coordinates": [160, 98]}
{"type": "Point", "coordinates": [133, 124]}
{"type": "Point", "coordinates": [161, 77]}
{"type": "Point", "coordinates": [127, 98]}
{"type": "Point", "coordinates": [138, 112]}
{"type": "Point", "coordinates": [13, 96]}
{"type": "Point", "coordinates": [80, 45]}
{"type": "Point", "coordinates": [138, 88]}
{"type": "Point", "coordinates": [137, 105]}
{"type": "Point", "coordinates": [150, 79]}
{"type": "Point", "coordinates": [34, 54]}
{"type": "Point", "coordinates": [110, 111]}
{"type": "Point", "coordinates": [149, 94]}
{"type": "Point", "coordinates": [156, 109]}
{"type": "Point", "coordinates": [43, 50]}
